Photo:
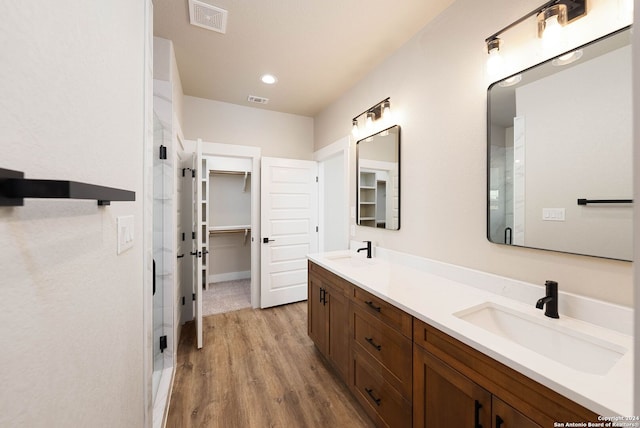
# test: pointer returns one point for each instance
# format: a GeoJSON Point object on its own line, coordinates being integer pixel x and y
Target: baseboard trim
{"type": "Point", "coordinates": [229, 276]}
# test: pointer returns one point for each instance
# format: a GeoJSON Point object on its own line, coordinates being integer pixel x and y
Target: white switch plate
{"type": "Point", "coordinates": [553, 214]}
{"type": "Point", "coordinates": [353, 212]}
{"type": "Point", "coordinates": [125, 233]}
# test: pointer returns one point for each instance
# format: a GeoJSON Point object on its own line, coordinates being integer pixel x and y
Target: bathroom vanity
{"type": "Point", "coordinates": [410, 339]}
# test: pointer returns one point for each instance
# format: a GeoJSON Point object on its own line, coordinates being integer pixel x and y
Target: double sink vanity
{"type": "Point", "coordinates": [427, 344]}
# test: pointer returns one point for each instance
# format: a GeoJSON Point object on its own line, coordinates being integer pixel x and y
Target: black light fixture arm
{"type": "Point", "coordinates": [14, 188]}
{"type": "Point", "coordinates": [575, 9]}
{"type": "Point", "coordinates": [373, 108]}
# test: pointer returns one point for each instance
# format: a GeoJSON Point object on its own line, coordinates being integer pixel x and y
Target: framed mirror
{"type": "Point", "coordinates": [378, 181]}
{"type": "Point", "coordinates": [559, 153]}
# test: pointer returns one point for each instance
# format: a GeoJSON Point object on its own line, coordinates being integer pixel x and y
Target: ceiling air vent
{"type": "Point", "coordinates": [258, 100]}
{"type": "Point", "coordinates": [206, 16]}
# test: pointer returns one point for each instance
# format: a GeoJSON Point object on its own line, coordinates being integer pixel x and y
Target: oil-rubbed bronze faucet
{"type": "Point", "coordinates": [368, 248]}
{"type": "Point", "coordinates": [551, 300]}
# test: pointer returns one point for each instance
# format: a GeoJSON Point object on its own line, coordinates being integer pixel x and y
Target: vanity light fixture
{"type": "Point", "coordinates": [495, 61]}
{"type": "Point", "coordinates": [371, 115]}
{"type": "Point", "coordinates": [355, 130]}
{"type": "Point", "coordinates": [551, 20]}
{"type": "Point", "coordinates": [550, 17]}
{"type": "Point", "coordinates": [370, 118]}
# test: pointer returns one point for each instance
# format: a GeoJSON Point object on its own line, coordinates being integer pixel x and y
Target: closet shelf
{"type": "Point", "coordinates": [231, 229]}
{"type": "Point", "coordinates": [14, 188]}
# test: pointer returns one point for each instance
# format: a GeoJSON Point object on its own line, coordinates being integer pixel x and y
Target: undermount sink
{"type": "Point", "coordinates": [567, 346]}
{"type": "Point", "coordinates": [351, 260]}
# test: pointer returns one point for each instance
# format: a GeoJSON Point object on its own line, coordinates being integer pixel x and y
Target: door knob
{"type": "Point", "coordinates": [267, 240]}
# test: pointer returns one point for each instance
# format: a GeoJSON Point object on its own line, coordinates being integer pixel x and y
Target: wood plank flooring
{"type": "Point", "coordinates": [258, 368]}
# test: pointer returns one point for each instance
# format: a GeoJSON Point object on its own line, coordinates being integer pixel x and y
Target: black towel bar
{"type": "Point", "coordinates": [604, 201]}
{"type": "Point", "coordinates": [14, 188]}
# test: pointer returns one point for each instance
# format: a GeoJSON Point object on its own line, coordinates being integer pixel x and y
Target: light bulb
{"type": "Point", "coordinates": [355, 131]}
{"type": "Point", "coordinates": [369, 121]}
{"type": "Point", "coordinates": [495, 62]}
{"type": "Point", "coordinates": [552, 30]}
{"type": "Point", "coordinates": [386, 110]}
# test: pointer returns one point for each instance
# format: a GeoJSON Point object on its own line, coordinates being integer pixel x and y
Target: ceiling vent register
{"type": "Point", "coordinates": [258, 100]}
{"type": "Point", "coordinates": [206, 16]}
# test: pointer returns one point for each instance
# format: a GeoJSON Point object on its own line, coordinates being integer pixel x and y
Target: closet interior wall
{"type": "Point", "coordinates": [229, 218]}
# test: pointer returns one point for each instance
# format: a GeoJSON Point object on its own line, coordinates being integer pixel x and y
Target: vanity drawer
{"type": "Point", "coordinates": [381, 400]}
{"type": "Point", "coordinates": [337, 282]}
{"type": "Point", "coordinates": [384, 311]}
{"type": "Point", "coordinates": [386, 347]}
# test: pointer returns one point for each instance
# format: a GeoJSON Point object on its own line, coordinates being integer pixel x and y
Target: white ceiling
{"type": "Point", "coordinates": [318, 49]}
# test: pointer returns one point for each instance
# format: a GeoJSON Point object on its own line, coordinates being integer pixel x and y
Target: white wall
{"type": "Point", "coordinates": [437, 84]}
{"type": "Point", "coordinates": [71, 317]}
{"type": "Point", "coordinates": [277, 134]}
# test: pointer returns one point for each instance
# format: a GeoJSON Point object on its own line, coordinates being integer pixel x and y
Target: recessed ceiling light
{"type": "Point", "coordinates": [269, 79]}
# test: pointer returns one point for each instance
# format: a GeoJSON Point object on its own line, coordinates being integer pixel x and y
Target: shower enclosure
{"type": "Point", "coordinates": [163, 263]}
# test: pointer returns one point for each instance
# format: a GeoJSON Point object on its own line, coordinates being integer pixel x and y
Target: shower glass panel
{"type": "Point", "coordinates": [158, 244]}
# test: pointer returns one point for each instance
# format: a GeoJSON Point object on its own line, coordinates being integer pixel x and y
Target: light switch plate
{"type": "Point", "coordinates": [125, 233]}
{"type": "Point", "coordinates": [553, 214]}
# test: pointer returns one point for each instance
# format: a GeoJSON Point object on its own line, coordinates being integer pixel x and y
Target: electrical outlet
{"type": "Point", "coordinates": [125, 233]}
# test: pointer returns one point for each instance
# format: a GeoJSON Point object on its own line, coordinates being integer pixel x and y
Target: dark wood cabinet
{"type": "Point", "coordinates": [381, 359]}
{"type": "Point", "coordinates": [442, 397]}
{"type": "Point", "coordinates": [328, 317]}
{"type": "Point", "coordinates": [445, 367]}
{"type": "Point", "coordinates": [406, 373]}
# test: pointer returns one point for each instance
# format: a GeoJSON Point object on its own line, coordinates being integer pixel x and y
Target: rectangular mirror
{"type": "Point", "coordinates": [559, 153]}
{"type": "Point", "coordinates": [378, 183]}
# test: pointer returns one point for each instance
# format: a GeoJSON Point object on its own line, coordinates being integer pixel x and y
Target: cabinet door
{"type": "Point", "coordinates": [338, 345]}
{"type": "Point", "coordinates": [316, 313]}
{"type": "Point", "coordinates": [505, 416]}
{"type": "Point", "coordinates": [442, 397]}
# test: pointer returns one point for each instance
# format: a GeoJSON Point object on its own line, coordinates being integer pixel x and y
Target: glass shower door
{"type": "Point", "coordinates": [158, 244]}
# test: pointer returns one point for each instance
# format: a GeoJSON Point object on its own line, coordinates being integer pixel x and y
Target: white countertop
{"type": "Point", "coordinates": [433, 292]}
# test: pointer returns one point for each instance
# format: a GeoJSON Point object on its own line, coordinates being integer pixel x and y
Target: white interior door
{"type": "Point", "coordinates": [289, 220]}
{"type": "Point", "coordinates": [185, 227]}
{"type": "Point", "coordinates": [197, 252]}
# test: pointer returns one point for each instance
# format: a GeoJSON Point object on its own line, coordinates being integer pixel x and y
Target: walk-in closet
{"type": "Point", "coordinates": [228, 221]}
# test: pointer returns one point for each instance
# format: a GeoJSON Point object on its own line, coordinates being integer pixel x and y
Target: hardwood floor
{"type": "Point", "coordinates": [258, 368]}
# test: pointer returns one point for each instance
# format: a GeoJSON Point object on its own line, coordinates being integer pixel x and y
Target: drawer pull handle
{"type": "Point", "coordinates": [499, 422]}
{"type": "Point", "coordinates": [373, 397]}
{"type": "Point", "coordinates": [372, 343]}
{"type": "Point", "coordinates": [372, 306]}
{"type": "Point", "coordinates": [477, 415]}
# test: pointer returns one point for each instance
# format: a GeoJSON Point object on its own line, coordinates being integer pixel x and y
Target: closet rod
{"type": "Point", "coordinates": [212, 232]}
{"type": "Point", "coordinates": [219, 171]}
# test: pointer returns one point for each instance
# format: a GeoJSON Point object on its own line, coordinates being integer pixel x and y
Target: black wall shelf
{"type": "Point", "coordinates": [14, 188]}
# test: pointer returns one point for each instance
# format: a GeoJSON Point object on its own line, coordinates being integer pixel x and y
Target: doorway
{"type": "Point", "coordinates": [334, 185]}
